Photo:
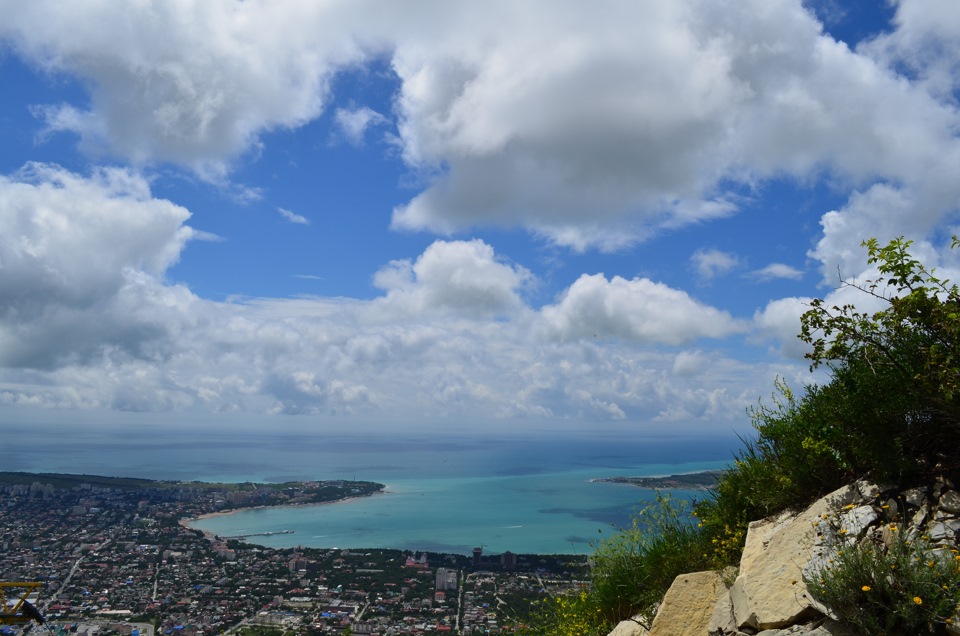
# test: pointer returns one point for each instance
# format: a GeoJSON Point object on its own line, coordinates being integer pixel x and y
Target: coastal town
{"type": "Point", "coordinates": [115, 556]}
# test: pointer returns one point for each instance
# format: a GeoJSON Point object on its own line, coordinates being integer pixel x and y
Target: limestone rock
{"type": "Point", "coordinates": [629, 628]}
{"type": "Point", "coordinates": [722, 620]}
{"type": "Point", "coordinates": [769, 593]}
{"type": "Point", "coordinates": [950, 501]}
{"type": "Point", "coordinates": [688, 605]}
{"type": "Point", "coordinates": [914, 496]}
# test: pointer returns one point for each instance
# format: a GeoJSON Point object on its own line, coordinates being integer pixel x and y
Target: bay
{"type": "Point", "coordinates": [524, 489]}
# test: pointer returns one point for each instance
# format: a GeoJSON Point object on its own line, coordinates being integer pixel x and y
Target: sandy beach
{"type": "Point", "coordinates": [187, 521]}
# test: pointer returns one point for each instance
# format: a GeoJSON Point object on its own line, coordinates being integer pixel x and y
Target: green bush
{"type": "Point", "coordinates": [566, 615]}
{"type": "Point", "coordinates": [910, 587]}
{"type": "Point", "coordinates": [633, 569]}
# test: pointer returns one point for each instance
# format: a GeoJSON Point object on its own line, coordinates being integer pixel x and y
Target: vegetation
{"type": "Point", "coordinates": [890, 413]}
{"type": "Point", "coordinates": [909, 587]}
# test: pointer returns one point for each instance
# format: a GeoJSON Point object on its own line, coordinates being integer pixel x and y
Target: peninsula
{"type": "Point", "coordinates": [706, 480]}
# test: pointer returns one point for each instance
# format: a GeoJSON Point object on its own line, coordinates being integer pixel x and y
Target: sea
{"type": "Point", "coordinates": [528, 492]}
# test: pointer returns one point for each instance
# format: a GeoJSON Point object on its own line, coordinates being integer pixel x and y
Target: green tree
{"type": "Point", "coordinates": [904, 358]}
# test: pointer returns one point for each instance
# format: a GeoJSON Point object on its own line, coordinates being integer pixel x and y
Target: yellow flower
{"type": "Point", "coordinates": [918, 600]}
{"type": "Point", "coordinates": [866, 588]}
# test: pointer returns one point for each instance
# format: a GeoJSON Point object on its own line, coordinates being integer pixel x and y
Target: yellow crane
{"type": "Point", "coordinates": [15, 609]}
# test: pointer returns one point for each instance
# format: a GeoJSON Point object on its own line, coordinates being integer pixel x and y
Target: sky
{"type": "Point", "coordinates": [474, 214]}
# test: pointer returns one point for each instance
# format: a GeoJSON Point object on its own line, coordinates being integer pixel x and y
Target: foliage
{"type": "Point", "coordinates": [910, 587]}
{"type": "Point", "coordinates": [566, 615]}
{"type": "Point", "coordinates": [633, 569]}
{"type": "Point", "coordinates": [912, 344]}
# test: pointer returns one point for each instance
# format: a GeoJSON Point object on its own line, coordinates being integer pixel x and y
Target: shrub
{"type": "Point", "coordinates": [633, 569]}
{"type": "Point", "coordinates": [911, 587]}
{"type": "Point", "coordinates": [575, 614]}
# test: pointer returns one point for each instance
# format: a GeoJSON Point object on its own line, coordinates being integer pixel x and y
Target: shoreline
{"type": "Point", "coordinates": [186, 521]}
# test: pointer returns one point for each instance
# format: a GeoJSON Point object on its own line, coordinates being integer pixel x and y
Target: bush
{"type": "Point", "coordinates": [911, 587]}
{"type": "Point", "coordinates": [633, 569]}
{"type": "Point", "coordinates": [566, 615]}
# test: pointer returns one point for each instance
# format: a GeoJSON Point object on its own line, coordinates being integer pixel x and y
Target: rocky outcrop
{"type": "Point", "coordinates": [688, 605]}
{"type": "Point", "coordinates": [768, 596]}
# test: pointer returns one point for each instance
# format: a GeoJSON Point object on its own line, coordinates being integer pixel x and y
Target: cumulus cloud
{"type": "Point", "coordinates": [590, 126]}
{"type": "Point", "coordinates": [87, 320]}
{"type": "Point", "coordinates": [925, 41]}
{"type": "Point", "coordinates": [638, 309]}
{"type": "Point", "coordinates": [75, 250]}
{"type": "Point", "coordinates": [712, 263]}
{"type": "Point", "coordinates": [194, 83]}
{"type": "Point", "coordinates": [458, 276]}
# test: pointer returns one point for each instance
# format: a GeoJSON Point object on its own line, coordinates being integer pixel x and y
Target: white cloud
{"type": "Point", "coordinates": [712, 263]}
{"type": "Point", "coordinates": [88, 321]}
{"type": "Point", "coordinates": [293, 217]}
{"type": "Point", "coordinates": [81, 262]}
{"type": "Point", "coordinates": [926, 41]}
{"type": "Point", "coordinates": [638, 309]}
{"type": "Point", "coordinates": [460, 276]}
{"type": "Point", "coordinates": [353, 124]}
{"type": "Point", "coordinates": [591, 126]}
{"type": "Point", "coordinates": [194, 83]}
{"type": "Point", "coordinates": [775, 271]}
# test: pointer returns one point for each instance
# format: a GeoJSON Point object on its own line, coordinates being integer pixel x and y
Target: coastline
{"type": "Point", "coordinates": [186, 521]}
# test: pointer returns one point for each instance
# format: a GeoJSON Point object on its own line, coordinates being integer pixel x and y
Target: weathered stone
{"type": "Point", "coordinates": [939, 531]}
{"type": "Point", "coordinates": [855, 520]}
{"type": "Point", "coordinates": [915, 496]}
{"type": "Point", "coordinates": [629, 628]}
{"type": "Point", "coordinates": [867, 490]}
{"type": "Point", "coordinates": [770, 593]}
{"type": "Point", "coordinates": [817, 628]}
{"type": "Point", "coordinates": [950, 501]}
{"type": "Point", "coordinates": [688, 605]}
{"type": "Point", "coordinates": [722, 620]}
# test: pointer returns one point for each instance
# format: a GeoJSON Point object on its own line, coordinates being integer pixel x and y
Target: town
{"type": "Point", "coordinates": [114, 556]}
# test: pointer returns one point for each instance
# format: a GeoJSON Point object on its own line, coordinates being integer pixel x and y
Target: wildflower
{"type": "Point", "coordinates": [918, 600]}
{"type": "Point", "coordinates": [793, 582]}
{"type": "Point", "coordinates": [866, 588]}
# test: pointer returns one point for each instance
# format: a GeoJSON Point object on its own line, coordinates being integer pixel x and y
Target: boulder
{"type": "Point", "coordinates": [950, 501]}
{"type": "Point", "coordinates": [629, 628]}
{"type": "Point", "coordinates": [722, 621]}
{"type": "Point", "coordinates": [769, 592]}
{"type": "Point", "coordinates": [688, 605]}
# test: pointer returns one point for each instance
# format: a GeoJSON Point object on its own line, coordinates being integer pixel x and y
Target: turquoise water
{"type": "Point", "coordinates": [524, 490]}
{"type": "Point", "coordinates": [555, 513]}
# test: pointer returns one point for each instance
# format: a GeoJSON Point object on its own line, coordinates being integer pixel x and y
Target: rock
{"type": "Point", "coordinates": [950, 501]}
{"type": "Point", "coordinates": [722, 621]}
{"type": "Point", "coordinates": [629, 628]}
{"type": "Point", "coordinates": [688, 605]}
{"type": "Point", "coordinates": [769, 593]}
{"type": "Point", "coordinates": [915, 496]}
{"type": "Point", "coordinates": [940, 531]}
{"type": "Point", "coordinates": [856, 520]}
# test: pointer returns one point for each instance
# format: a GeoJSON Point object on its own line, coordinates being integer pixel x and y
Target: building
{"type": "Point", "coordinates": [446, 579]}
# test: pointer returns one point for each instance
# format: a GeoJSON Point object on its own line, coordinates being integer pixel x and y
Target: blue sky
{"type": "Point", "coordinates": [465, 212]}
